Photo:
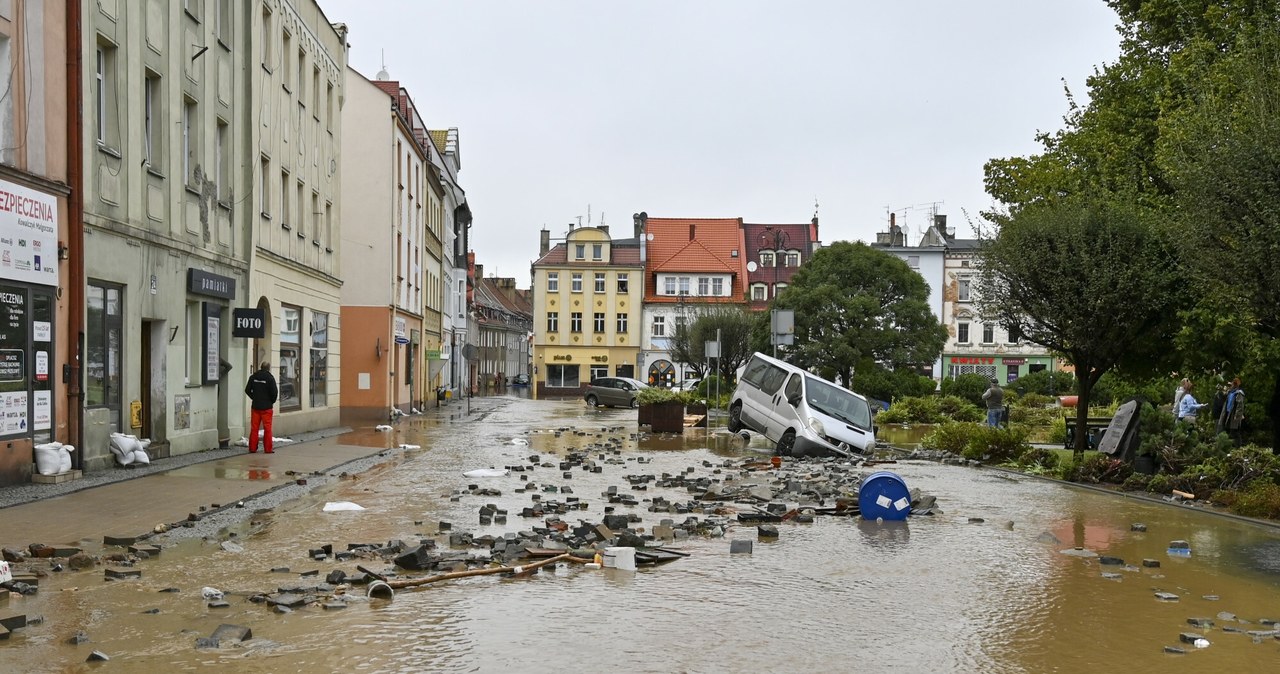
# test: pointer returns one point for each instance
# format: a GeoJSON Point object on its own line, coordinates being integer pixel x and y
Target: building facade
{"type": "Point", "coordinates": [299, 64]}
{"type": "Point", "coordinates": [690, 265]}
{"type": "Point", "coordinates": [504, 316]}
{"type": "Point", "coordinates": [167, 206]}
{"type": "Point", "coordinates": [386, 198]}
{"type": "Point", "coordinates": [588, 294]}
{"type": "Point", "coordinates": [774, 253]}
{"type": "Point", "coordinates": [37, 282]}
{"type": "Point", "coordinates": [927, 259]}
{"type": "Point", "coordinates": [449, 367]}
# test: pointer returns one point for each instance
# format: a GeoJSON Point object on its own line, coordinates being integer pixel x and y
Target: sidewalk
{"type": "Point", "coordinates": [131, 502]}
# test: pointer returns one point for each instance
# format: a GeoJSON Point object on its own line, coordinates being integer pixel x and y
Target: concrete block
{"type": "Point", "coordinates": [740, 547]}
{"type": "Point", "coordinates": [121, 574]}
{"type": "Point", "coordinates": [1151, 563]}
{"type": "Point", "coordinates": [119, 540]}
{"type": "Point", "coordinates": [227, 632]}
{"type": "Point", "coordinates": [14, 622]}
{"type": "Point", "coordinates": [149, 550]}
{"type": "Point", "coordinates": [1166, 596]}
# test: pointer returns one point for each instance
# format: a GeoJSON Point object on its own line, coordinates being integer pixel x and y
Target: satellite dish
{"type": "Point", "coordinates": [752, 266]}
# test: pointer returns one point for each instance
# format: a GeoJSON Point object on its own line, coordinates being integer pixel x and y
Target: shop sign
{"type": "Point", "coordinates": [200, 282]}
{"type": "Point", "coordinates": [600, 359]}
{"type": "Point", "coordinates": [563, 357]}
{"type": "Point", "coordinates": [1015, 361]}
{"type": "Point", "coordinates": [28, 235]}
{"type": "Point", "coordinates": [401, 330]}
{"type": "Point", "coordinates": [249, 323]}
{"type": "Point", "coordinates": [972, 360]}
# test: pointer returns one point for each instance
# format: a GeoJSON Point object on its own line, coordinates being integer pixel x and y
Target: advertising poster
{"type": "Point", "coordinates": [28, 235]}
{"type": "Point", "coordinates": [42, 417]}
{"type": "Point", "coordinates": [42, 366]}
{"type": "Point", "coordinates": [43, 330]}
{"type": "Point", "coordinates": [13, 413]}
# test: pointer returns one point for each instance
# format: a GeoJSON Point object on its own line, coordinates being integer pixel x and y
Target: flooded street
{"type": "Point", "coordinates": [945, 593]}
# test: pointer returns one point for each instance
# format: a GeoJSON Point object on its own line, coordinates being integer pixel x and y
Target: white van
{"type": "Point", "coordinates": [803, 413]}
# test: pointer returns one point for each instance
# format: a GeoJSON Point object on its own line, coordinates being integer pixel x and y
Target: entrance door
{"type": "Point", "coordinates": [145, 358]}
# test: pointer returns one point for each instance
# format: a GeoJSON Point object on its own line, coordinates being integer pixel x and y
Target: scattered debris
{"type": "Point", "coordinates": [340, 506]}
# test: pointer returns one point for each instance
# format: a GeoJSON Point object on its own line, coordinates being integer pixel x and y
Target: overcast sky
{"type": "Point", "coordinates": [728, 108]}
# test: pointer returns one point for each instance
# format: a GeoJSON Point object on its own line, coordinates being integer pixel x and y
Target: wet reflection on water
{"type": "Point", "coordinates": [933, 594]}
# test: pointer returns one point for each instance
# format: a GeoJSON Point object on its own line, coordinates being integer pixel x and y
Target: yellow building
{"type": "Point", "coordinates": [587, 296]}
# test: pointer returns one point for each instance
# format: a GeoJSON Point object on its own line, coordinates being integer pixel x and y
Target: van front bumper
{"type": "Point", "coordinates": [808, 446]}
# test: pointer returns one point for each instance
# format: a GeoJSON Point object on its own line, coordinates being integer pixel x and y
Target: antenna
{"type": "Point", "coordinates": [579, 217]}
{"type": "Point", "coordinates": [588, 214]}
{"type": "Point", "coordinates": [815, 205]}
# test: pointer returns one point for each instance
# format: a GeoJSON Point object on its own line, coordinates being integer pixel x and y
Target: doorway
{"type": "Point", "coordinates": [146, 361]}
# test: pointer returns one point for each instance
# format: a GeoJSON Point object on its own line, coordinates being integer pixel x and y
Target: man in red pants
{"type": "Point", "coordinates": [262, 390]}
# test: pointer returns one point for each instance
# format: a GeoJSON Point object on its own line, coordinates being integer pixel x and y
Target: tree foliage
{"type": "Point", "coordinates": [1093, 281]}
{"type": "Point", "coordinates": [856, 306]}
{"type": "Point", "coordinates": [688, 346]}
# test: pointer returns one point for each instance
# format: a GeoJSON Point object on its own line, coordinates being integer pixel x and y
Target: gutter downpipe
{"type": "Point", "coordinates": [75, 222]}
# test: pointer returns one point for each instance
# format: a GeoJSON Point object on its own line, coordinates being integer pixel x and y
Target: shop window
{"type": "Point", "coordinates": [598, 371]}
{"type": "Point", "coordinates": [104, 348]}
{"type": "Point", "coordinates": [290, 358]}
{"type": "Point", "coordinates": [562, 376]}
{"type": "Point", "coordinates": [319, 360]}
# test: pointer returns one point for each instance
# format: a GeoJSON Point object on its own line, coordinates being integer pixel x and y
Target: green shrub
{"type": "Point", "coordinates": [1136, 482]}
{"type": "Point", "coordinates": [1038, 456]}
{"type": "Point", "coordinates": [1160, 483]}
{"type": "Point", "coordinates": [967, 386]}
{"type": "Point", "coordinates": [883, 384]}
{"type": "Point", "coordinates": [658, 394]}
{"type": "Point", "coordinates": [1058, 430]}
{"type": "Point", "coordinates": [707, 387]}
{"type": "Point", "coordinates": [958, 409]}
{"type": "Point", "coordinates": [1032, 399]}
{"type": "Point", "coordinates": [996, 445]}
{"type": "Point", "coordinates": [1034, 416]}
{"type": "Point", "coordinates": [1260, 499]}
{"type": "Point", "coordinates": [1050, 383]}
{"type": "Point", "coordinates": [896, 414]}
{"type": "Point", "coordinates": [1100, 468]}
{"type": "Point", "coordinates": [950, 437]}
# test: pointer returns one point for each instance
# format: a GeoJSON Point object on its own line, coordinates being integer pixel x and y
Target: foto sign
{"type": "Point", "coordinates": [249, 323]}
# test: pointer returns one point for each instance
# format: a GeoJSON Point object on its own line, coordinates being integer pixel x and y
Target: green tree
{"type": "Point", "coordinates": [735, 326]}
{"type": "Point", "coordinates": [1093, 281]}
{"type": "Point", "coordinates": [856, 306]}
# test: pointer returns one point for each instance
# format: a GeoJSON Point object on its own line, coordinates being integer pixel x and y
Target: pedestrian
{"type": "Point", "coordinates": [1188, 406]}
{"type": "Point", "coordinates": [995, 403]}
{"type": "Point", "coordinates": [261, 389]}
{"type": "Point", "coordinates": [1233, 412]}
{"type": "Point", "coordinates": [1183, 387]}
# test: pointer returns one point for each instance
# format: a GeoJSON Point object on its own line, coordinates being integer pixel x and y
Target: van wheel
{"type": "Point", "coordinates": [735, 418]}
{"type": "Point", "coordinates": [593, 401]}
{"type": "Point", "coordinates": [786, 444]}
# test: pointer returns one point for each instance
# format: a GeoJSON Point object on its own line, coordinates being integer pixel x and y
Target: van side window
{"type": "Point", "coordinates": [755, 372]}
{"type": "Point", "coordinates": [793, 386]}
{"type": "Point", "coordinates": [772, 379]}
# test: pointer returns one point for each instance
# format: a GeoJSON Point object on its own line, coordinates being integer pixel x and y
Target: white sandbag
{"type": "Point", "coordinates": [64, 459]}
{"type": "Point", "coordinates": [382, 427]}
{"type": "Point", "coordinates": [140, 456]}
{"type": "Point", "coordinates": [48, 456]}
{"type": "Point", "coordinates": [340, 506]}
{"type": "Point", "coordinates": [485, 472]}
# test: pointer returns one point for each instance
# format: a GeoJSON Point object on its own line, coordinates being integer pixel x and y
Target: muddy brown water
{"type": "Point", "coordinates": [934, 594]}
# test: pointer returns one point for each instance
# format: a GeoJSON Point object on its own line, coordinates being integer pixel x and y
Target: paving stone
{"type": "Point", "coordinates": [333, 605]}
{"type": "Point", "coordinates": [149, 550]}
{"type": "Point", "coordinates": [15, 622]}
{"type": "Point", "coordinates": [1151, 563]}
{"type": "Point", "coordinates": [336, 577]}
{"type": "Point", "coordinates": [1166, 596]}
{"type": "Point", "coordinates": [97, 656]}
{"type": "Point", "coordinates": [740, 547]}
{"type": "Point", "coordinates": [1137, 526]}
{"type": "Point", "coordinates": [1176, 650]}
{"type": "Point", "coordinates": [120, 574]}
{"type": "Point", "coordinates": [219, 603]}
{"type": "Point", "coordinates": [287, 599]}
{"type": "Point", "coordinates": [1110, 561]}
{"type": "Point", "coordinates": [206, 643]}
{"type": "Point", "coordinates": [1201, 623]}
{"type": "Point", "coordinates": [767, 531]}
{"type": "Point", "coordinates": [227, 632]}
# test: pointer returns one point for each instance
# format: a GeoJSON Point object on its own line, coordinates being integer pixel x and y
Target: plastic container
{"type": "Point", "coordinates": [884, 495]}
{"type": "Point", "coordinates": [620, 558]}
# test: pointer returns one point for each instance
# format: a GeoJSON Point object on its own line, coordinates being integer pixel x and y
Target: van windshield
{"type": "Point", "coordinates": [837, 402]}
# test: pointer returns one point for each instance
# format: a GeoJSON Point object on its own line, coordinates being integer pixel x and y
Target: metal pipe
{"type": "Point", "coordinates": [75, 223]}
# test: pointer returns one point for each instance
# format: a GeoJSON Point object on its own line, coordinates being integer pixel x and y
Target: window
{"type": "Point", "coordinates": [599, 282]}
{"type": "Point", "coordinates": [562, 376]}
{"type": "Point", "coordinates": [577, 282]}
{"type": "Point", "coordinates": [778, 288]}
{"type": "Point", "coordinates": [598, 322]}
{"type": "Point", "coordinates": [222, 163]}
{"type": "Point", "coordinates": [580, 251]}
{"type": "Point", "coordinates": [553, 321]}
{"type": "Point", "coordinates": [622, 282]}
{"type": "Point", "coordinates": [758, 292]}
{"type": "Point", "coordinates": [328, 106]}
{"type": "Point", "coordinates": [150, 125]}
{"type": "Point", "coordinates": [553, 281]}
{"type": "Point", "coordinates": [988, 334]}
{"type": "Point", "coordinates": [793, 259]}
{"type": "Point", "coordinates": [189, 141]}
{"type": "Point", "coordinates": [285, 52]}
{"type": "Point", "coordinates": [683, 282]}
{"type": "Point", "coordinates": [598, 371]}
{"type": "Point", "coordinates": [766, 258]}
{"type": "Point", "coordinates": [290, 358]}
{"type": "Point", "coordinates": [328, 226]}
{"type": "Point", "coordinates": [320, 359]}
{"type": "Point", "coordinates": [575, 321]}
{"type": "Point", "coordinates": [913, 261]}
{"type": "Point", "coordinates": [302, 70]}
{"type": "Point", "coordinates": [597, 251]}
{"type": "Point", "coordinates": [717, 287]}
{"type": "Point", "coordinates": [659, 326]}
{"type": "Point", "coordinates": [669, 285]}
{"type": "Point", "coordinates": [224, 22]}
{"type": "Point", "coordinates": [106, 103]}
{"type": "Point", "coordinates": [7, 130]}
{"type": "Point", "coordinates": [704, 285]}
{"type": "Point", "coordinates": [315, 92]}
{"type": "Point", "coordinates": [104, 348]}
{"type": "Point", "coordinates": [191, 345]}
{"type": "Point", "coordinates": [264, 185]}
{"type": "Point", "coordinates": [302, 215]}
{"type": "Point", "coordinates": [284, 199]}
{"type": "Point", "coordinates": [622, 324]}
{"type": "Point", "coordinates": [962, 333]}
{"type": "Point", "coordinates": [963, 290]}
{"type": "Point", "coordinates": [267, 62]}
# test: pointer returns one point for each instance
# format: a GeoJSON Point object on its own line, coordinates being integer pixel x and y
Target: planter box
{"type": "Point", "coordinates": [664, 417]}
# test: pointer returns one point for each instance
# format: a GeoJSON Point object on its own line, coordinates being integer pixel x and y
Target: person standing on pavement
{"type": "Point", "coordinates": [261, 389]}
{"type": "Point", "coordinates": [995, 403]}
{"type": "Point", "coordinates": [1183, 387]}
{"type": "Point", "coordinates": [1233, 412]}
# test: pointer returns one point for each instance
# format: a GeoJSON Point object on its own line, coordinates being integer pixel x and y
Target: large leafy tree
{"type": "Point", "coordinates": [734, 325]}
{"type": "Point", "coordinates": [1222, 153]}
{"type": "Point", "coordinates": [1093, 281]}
{"type": "Point", "coordinates": [856, 306]}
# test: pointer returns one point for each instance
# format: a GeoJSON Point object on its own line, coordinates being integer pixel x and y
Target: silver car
{"type": "Point", "coordinates": [613, 392]}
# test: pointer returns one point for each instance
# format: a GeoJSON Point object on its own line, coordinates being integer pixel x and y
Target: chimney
{"type": "Point", "coordinates": [604, 228]}
{"type": "Point", "coordinates": [893, 220]}
{"type": "Point", "coordinates": [692, 231]}
{"type": "Point", "coordinates": [479, 271]}
{"type": "Point", "coordinates": [640, 219]}
{"type": "Point", "coordinates": [544, 241]}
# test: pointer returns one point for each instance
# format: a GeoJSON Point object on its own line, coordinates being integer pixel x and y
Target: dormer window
{"type": "Point", "coordinates": [597, 251]}
{"type": "Point", "coordinates": [580, 251]}
{"type": "Point", "coordinates": [793, 259]}
{"type": "Point", "coordinates": [766, 258]}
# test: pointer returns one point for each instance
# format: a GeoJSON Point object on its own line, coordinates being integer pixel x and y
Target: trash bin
{"type": "Point", "coordinates": [884, 495]}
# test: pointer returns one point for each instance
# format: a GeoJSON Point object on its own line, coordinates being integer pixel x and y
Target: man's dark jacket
{"type": "Point", "coordinates": [262, 390]}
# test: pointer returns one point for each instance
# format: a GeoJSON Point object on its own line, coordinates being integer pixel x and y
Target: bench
{"type": "Point", "coordinates": [1095, 428]}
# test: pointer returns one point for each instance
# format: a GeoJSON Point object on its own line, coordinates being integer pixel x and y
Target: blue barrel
{"type": "Point", "coordinates": [884, 495]}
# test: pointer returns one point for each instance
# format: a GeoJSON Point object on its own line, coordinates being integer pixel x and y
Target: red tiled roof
{"type": "Point", "coordinates": [694, 245]}
{"type": "Point", "coordinates": [622, 256]}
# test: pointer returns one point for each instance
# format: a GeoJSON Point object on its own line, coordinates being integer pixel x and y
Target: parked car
{"type": "Point", "coordinates": [803, 413]}
{"type": "Point", "coordinates": [613, 391]}
{"type": "Point", "coordinates": [520, 380]}
{"type": "Point", "coordinates": [689, 385]}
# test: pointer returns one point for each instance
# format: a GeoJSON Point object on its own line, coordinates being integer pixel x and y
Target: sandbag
{"type": "Point", "coordinates": [64, 458]}
{"type": "Point", "coordinates": [124, 446]}
{"type": "Point", "coordinates": [48, 456]}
